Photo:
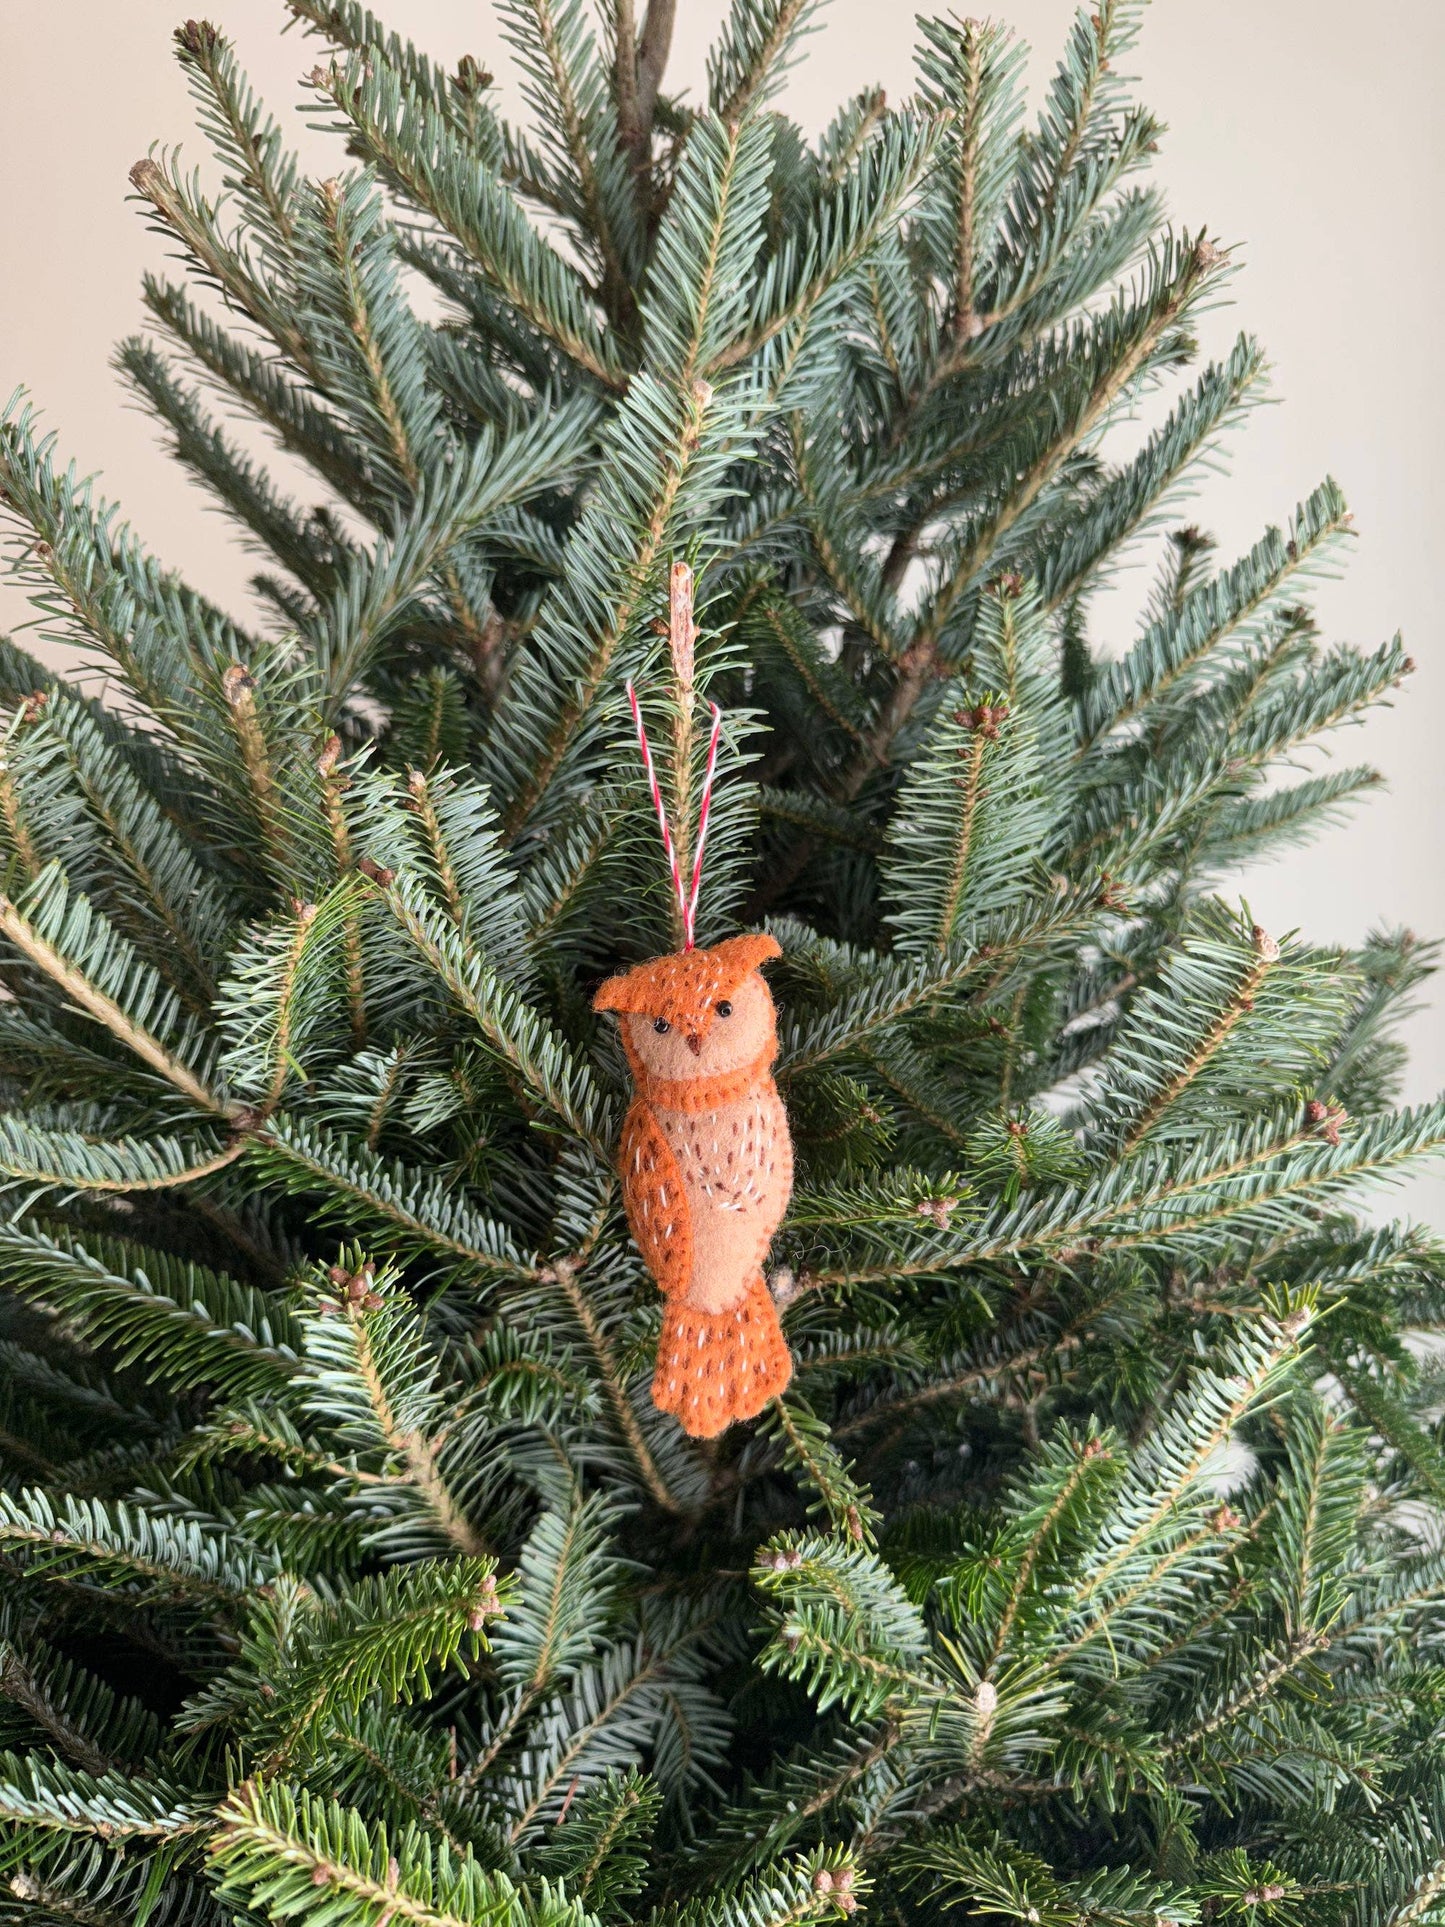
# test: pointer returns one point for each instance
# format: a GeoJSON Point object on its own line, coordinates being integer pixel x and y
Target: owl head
{"type": "Point", "coordinates": [698, 1013]}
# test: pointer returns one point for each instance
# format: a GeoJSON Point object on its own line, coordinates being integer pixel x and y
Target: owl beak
{"type": "Point", "coordinates": [694, 1043]}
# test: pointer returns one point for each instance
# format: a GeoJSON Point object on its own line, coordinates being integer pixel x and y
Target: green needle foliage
{"type": "Point", "coordinates": [1090, 1570]}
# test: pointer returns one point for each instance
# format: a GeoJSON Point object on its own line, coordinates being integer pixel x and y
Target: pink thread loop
{"type": "Point", "coordinates": [689, 915]}
{"type": "Point", "coordinates": [686, 898]}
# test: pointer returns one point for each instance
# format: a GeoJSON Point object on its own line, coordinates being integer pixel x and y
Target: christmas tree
{"type": "Point", "coordinates": [1090, 1569]}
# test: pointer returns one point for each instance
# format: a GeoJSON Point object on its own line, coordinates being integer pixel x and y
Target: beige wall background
{"type": "Point", "coordinates": [1316, 146]}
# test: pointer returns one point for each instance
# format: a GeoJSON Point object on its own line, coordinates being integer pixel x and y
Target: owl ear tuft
{"type": "Point", "coordinates": [756, 948]}
{"type": "Point", "coordinates": [614, 995]}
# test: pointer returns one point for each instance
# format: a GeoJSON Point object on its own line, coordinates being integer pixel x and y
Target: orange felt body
{"type": "Point", "coordinates": [706, 1166]}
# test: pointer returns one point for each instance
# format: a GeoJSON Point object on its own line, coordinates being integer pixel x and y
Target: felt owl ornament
{"type": "Point", "coordinates": [707, 1166]}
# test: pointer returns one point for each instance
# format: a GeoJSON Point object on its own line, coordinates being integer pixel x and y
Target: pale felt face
{"type": "Point", "coordinates": [725, 1042]}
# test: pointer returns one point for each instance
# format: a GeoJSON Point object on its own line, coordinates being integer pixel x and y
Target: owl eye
{"type": "Point", "coordinates": [661, 1026]}
{"type": "Point", "coordinates": [724, 1009]}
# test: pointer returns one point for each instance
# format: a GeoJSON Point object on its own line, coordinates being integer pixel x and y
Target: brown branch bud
{"type": "Point", "coordinates": [786, 1559]}
{"type": "Point", "coordinates": [471, 78]}
{"type": "Point", "coordinates": [985, 718]}
{"type": "Point", "coordinates": [148, 177]}
{"type": "Point", "coordinates": [940, 1210]}
{"type": "Point", "coordinates": [783, 1285]}
{"type": "Point", "coordinates": [198, 38]}
{"type": "Point", "coordinates": [354, 1288]}
{"type": "Point", "coordinates": [1265, 945]}
{"type": "Point", "coordinates": [1325, 1120]}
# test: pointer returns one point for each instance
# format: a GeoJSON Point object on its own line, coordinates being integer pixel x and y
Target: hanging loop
{"type": "Point", "coordinates": [686, 896]}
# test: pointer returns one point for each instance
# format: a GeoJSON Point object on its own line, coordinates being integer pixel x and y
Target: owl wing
{"type": "Point", "coordinates": [658, 1215]}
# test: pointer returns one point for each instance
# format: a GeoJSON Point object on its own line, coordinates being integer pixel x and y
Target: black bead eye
{"type": "Point", "coordinates": [724, 1009]}
{"type": "Point", "coordinates": [661, 1026]}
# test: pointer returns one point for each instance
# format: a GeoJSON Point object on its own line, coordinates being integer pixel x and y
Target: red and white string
{"type": "Point", "coordinates": [686, 898]}
{"type": "Point", "coordinates": [704, 812]}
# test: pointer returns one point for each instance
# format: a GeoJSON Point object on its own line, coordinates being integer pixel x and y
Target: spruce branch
{"type": "Point", "coordinates": [1057, 1505]}
{"type": "Point", "coordinates": [1277, 1667]}
{"type": "Point", "coordinates": [563, 1273]}
{"type": "Point", "coordinates": [93, 575]}
{"type": "Point", "coordinates": [334, 784]}
{"type": "Point", "coordinates": [389, 1639]}
{"type": "Point", "coordinates": [286, 407]}
{"type": "Point", "coordinates": [285, 1844]}
{"type": "Point", "coordinates": [373, 1374]}
{"type": "Point", "coordinates": [345, 234]}
{"type": "Point", "coordinates": [568, 62]}
{"type": "Point", "coordinates": [238, 687]}
{"type": "Point", "coordinates": [74, 1709]}
{"type": "Point", "coordinates": [1215, 612]}
{"type": "Point", "coordinates": [110, 1806]}
{"type": "Point", "coordinates": [119, 1545]}
{"type": "Point", "coordinates": [43, 944]}
{"type": "Point", "coordinates": [186, 912]}
{"type": "Point", "coordinates": [643, 558]}
{"type": "Point", "coordinates": [545, 1069]}
{"type": "Point", "coordinates": [73, 1162]}
{"type": "Point", "coordinates": [184, 215]}
{"type": "Point", "coordinates": [172, 1318]}
{"type": "Point", "coordinates": [1241, 1002]}
{"type": "Point", "coordinates": [361, 1188]}
{"type": "Point", "coordinates": [262, 172]}
{"type": "Point", "coordinates": [966, 324]}
{"type": "Point", "coordinates": [416, 150]}
{"type": "Point", "coordinates": [853, 215]}
{"type": "Point", "coordinates": [1424, 1895]}
{"type": "Point", "coordinates": [17, 830]}
{"type": "Point", "coordinates": [1181, 279]}
{"type": "Point", "coordinates": [752, 56]}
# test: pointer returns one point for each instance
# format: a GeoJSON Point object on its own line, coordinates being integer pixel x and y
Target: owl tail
{"type": "Point", "coordinates": [717, 1368]}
